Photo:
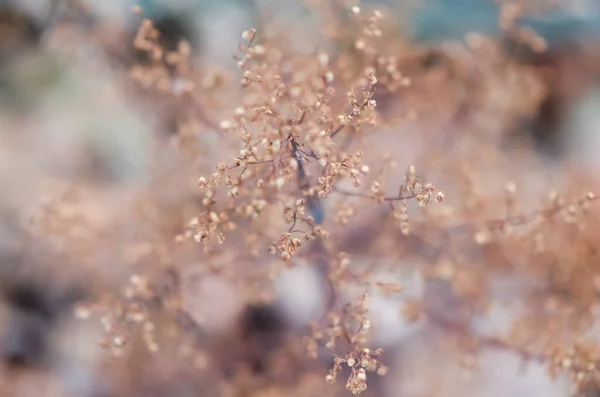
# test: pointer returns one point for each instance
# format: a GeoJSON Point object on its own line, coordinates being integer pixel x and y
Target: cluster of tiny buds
{"type": "Point", "coordinates": [249, 52]}
{"type": "Point", "coordinates": [157, 74]}
{"type": "Point", "coordinates": [202, 229]}
{"type": "Point", "coordinates": [215, 178]}
{"type": "Point", "coordinates": [361, 99]}
{"type": "Point", "coordinates": [579, 362]}
{"type": "Point", "coordinates": [400, 213]}
{"type": "Point", "coordinates": [146, 40]}
{"type": "Point", "coordinates": [349, 165]}
{"type": "Point", "coordinates": [131, 310]}
{"type": "Point", "coordinates": [360, 362]}
{"type": "Point", "coordinates": [287, 245]}
{"type": "Point", "coordinates": [424, 193]}
{"type": "Point", "coordinates": [389, 75]}
{"type": "Point", "coordinates": [344, 213]}
{"type": "Point", "coordinates": [569, 213]}
{"type": "Point", "coordinates": [370, 28]}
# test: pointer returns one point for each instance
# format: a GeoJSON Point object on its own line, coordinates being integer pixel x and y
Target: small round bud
{"type": "Point", "coordinates": [361, 375]}
{"type": "Point", "coordinates": [439, 196]}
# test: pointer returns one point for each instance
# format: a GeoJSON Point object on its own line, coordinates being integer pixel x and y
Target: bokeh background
{"type": "Point", "coordinates": [71, 116]}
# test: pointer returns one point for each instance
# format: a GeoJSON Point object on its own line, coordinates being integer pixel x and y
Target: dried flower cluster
{"type": "Point", "coordinates": [378, 165]}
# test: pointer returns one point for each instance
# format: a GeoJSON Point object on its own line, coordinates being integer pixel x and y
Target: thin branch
{"type": "Point", "coordinates": [490, 342]}
{"type": "Point", "coordinates": [291, 229]}
{"type": "Point", "coordinates": [520, 220]}
{"type": "Point", "coordinates": [363, 106]}
{"type": "Point", "coordinates": [248, 163]}
{"type": "Point", "coordinates": [337, 130]}
{"type": "Point", "coordinates": [369, 196]}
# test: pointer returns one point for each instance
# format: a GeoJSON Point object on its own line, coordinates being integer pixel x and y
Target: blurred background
{"type": "Point", "coordinates": [98, 170]}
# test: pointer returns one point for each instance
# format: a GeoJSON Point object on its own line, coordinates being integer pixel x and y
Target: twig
{"type": "Point", "coordinates": [363, 106]}
{"type": "Point", "coordinates": [365, 195]}
{"type": "Point", "coordinates": [291, 229]}
{"type": "Point", "coordinates": [519, 220]}
{"type": "Point", "coordinates": [443, 323]}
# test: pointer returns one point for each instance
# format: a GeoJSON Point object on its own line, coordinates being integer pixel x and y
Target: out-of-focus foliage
{"type": "Point", "coordinates": [250, 198]}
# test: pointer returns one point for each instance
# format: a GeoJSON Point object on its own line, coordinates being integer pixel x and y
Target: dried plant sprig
{"type": "Point", "coordinates": [284, 135]}
{"type": "Point", "coordinates": [359, 359]}
{"type": "Point", "coordinates": [290, 142]}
